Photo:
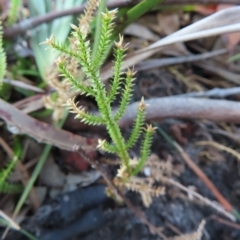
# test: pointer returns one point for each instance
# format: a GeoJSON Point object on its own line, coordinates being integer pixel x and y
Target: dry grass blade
{"type": "Point", "coordinates": [9, 220]}
{"type": "Point", "coordinates": [219, 146]}
{"type": "Point", "coordinates": [22, 85]}
{"type": "Point", "coordinates": [192, 236]}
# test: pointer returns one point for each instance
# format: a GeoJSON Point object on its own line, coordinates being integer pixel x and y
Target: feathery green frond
{"type": "Point", "coordinates": [6, 187]}
{"type": "Point", "coordinates": [74, 82]}
{"type": "Point", "coordinates": [127, 94]}
{"type": "Point", "coordinates": [107, 147]}
{"type": "Point", "coordinates": [61, 47]}
{"type": "Point", "coordinates": [105, 38]}
{"type": "Point", "coordinates": [83, 46]}
{"type": "Point", "coordinates": [3, 62]}
{"type": "Point", "coordinates": [117, 79]}
{"type": "Point", "coordinates": [83, 115]}
{"type": "Point", "coordinates": [90, 67]}
{"type": "Point", "coordinates": [137, 129]}
{"type": "Point", "coordinates": [98, 27]}
{"type": "Point", "coordinates": [90, 119]}
{"type": "Point", "coordinates": [145, 149]}
{"type": "Point", "coordinates": [116, 136]}
{"type": "Point", "coordinates": [4, 173]}
{"type": "Point", "coordinates": [13, 12]}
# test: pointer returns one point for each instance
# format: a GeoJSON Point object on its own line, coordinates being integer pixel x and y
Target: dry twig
{"type": "Point", "coordinates": [153, 63]}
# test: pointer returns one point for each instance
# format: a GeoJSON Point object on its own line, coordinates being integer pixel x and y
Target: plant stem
{"type": "Point", "coordinates": [33, 178]}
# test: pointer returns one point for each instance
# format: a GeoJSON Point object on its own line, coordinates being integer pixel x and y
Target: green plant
{"type": "Point", "coordinates": [39, 8]}
{"type": "Point", "coordinates": [94, 87]}
{"type": "Point", "coordinates": [13, 12]}
{"type": "Point", "coordinates": [3, 62]}
{"type": "Point", "coordinates": [6, 187]}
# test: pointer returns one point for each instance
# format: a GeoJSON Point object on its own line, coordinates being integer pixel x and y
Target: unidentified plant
{"type": "Point", "coordinates": [5, 172]}
{"type": "Point", "coordinates": [13, 12]}
{"type": "Point", "coordinates": [3, 62]}
{"type": "Point", "coordinates": [94, 87]}
{"type": "Point", "coordinates": [6, 187]}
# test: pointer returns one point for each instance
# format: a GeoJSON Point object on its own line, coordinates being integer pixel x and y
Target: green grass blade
{"type": "Point", "coordinates": [37, 170]}
{"type": "Point", "coordinates": [24, 232]}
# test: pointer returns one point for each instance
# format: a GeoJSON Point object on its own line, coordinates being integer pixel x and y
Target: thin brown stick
{"type": "Point", "coordinates": [215, 92]}
{"type": "Point", "coordinates": [225, 222]}
{"type": "Point", "coordinates": [153, 63]}
{"type": "Point", "coordinates": [205, 179]}
{"type": "Point", "coordinates": [136, 211]}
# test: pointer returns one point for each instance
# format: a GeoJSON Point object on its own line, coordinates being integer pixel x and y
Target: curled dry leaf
{"type": "Point", "coordinates": [139, 30]}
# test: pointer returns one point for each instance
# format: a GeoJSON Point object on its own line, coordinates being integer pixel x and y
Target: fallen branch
{"type": "Point", "coordinates": [20, 123]}
{"type": "Point", "coordinates": [33, 22]}
{"type": "Point", "coordinates": [188, 108]}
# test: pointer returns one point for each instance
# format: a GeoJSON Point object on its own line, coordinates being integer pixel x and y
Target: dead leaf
{"type": "Point", "coordinates": [168, 23]}
{"type": "Point", "coordinates": [212, 154]}
{"type": "Point", "coordinates": [20, 123]}
{"type": "Point", "coordinates": [141, 31]}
